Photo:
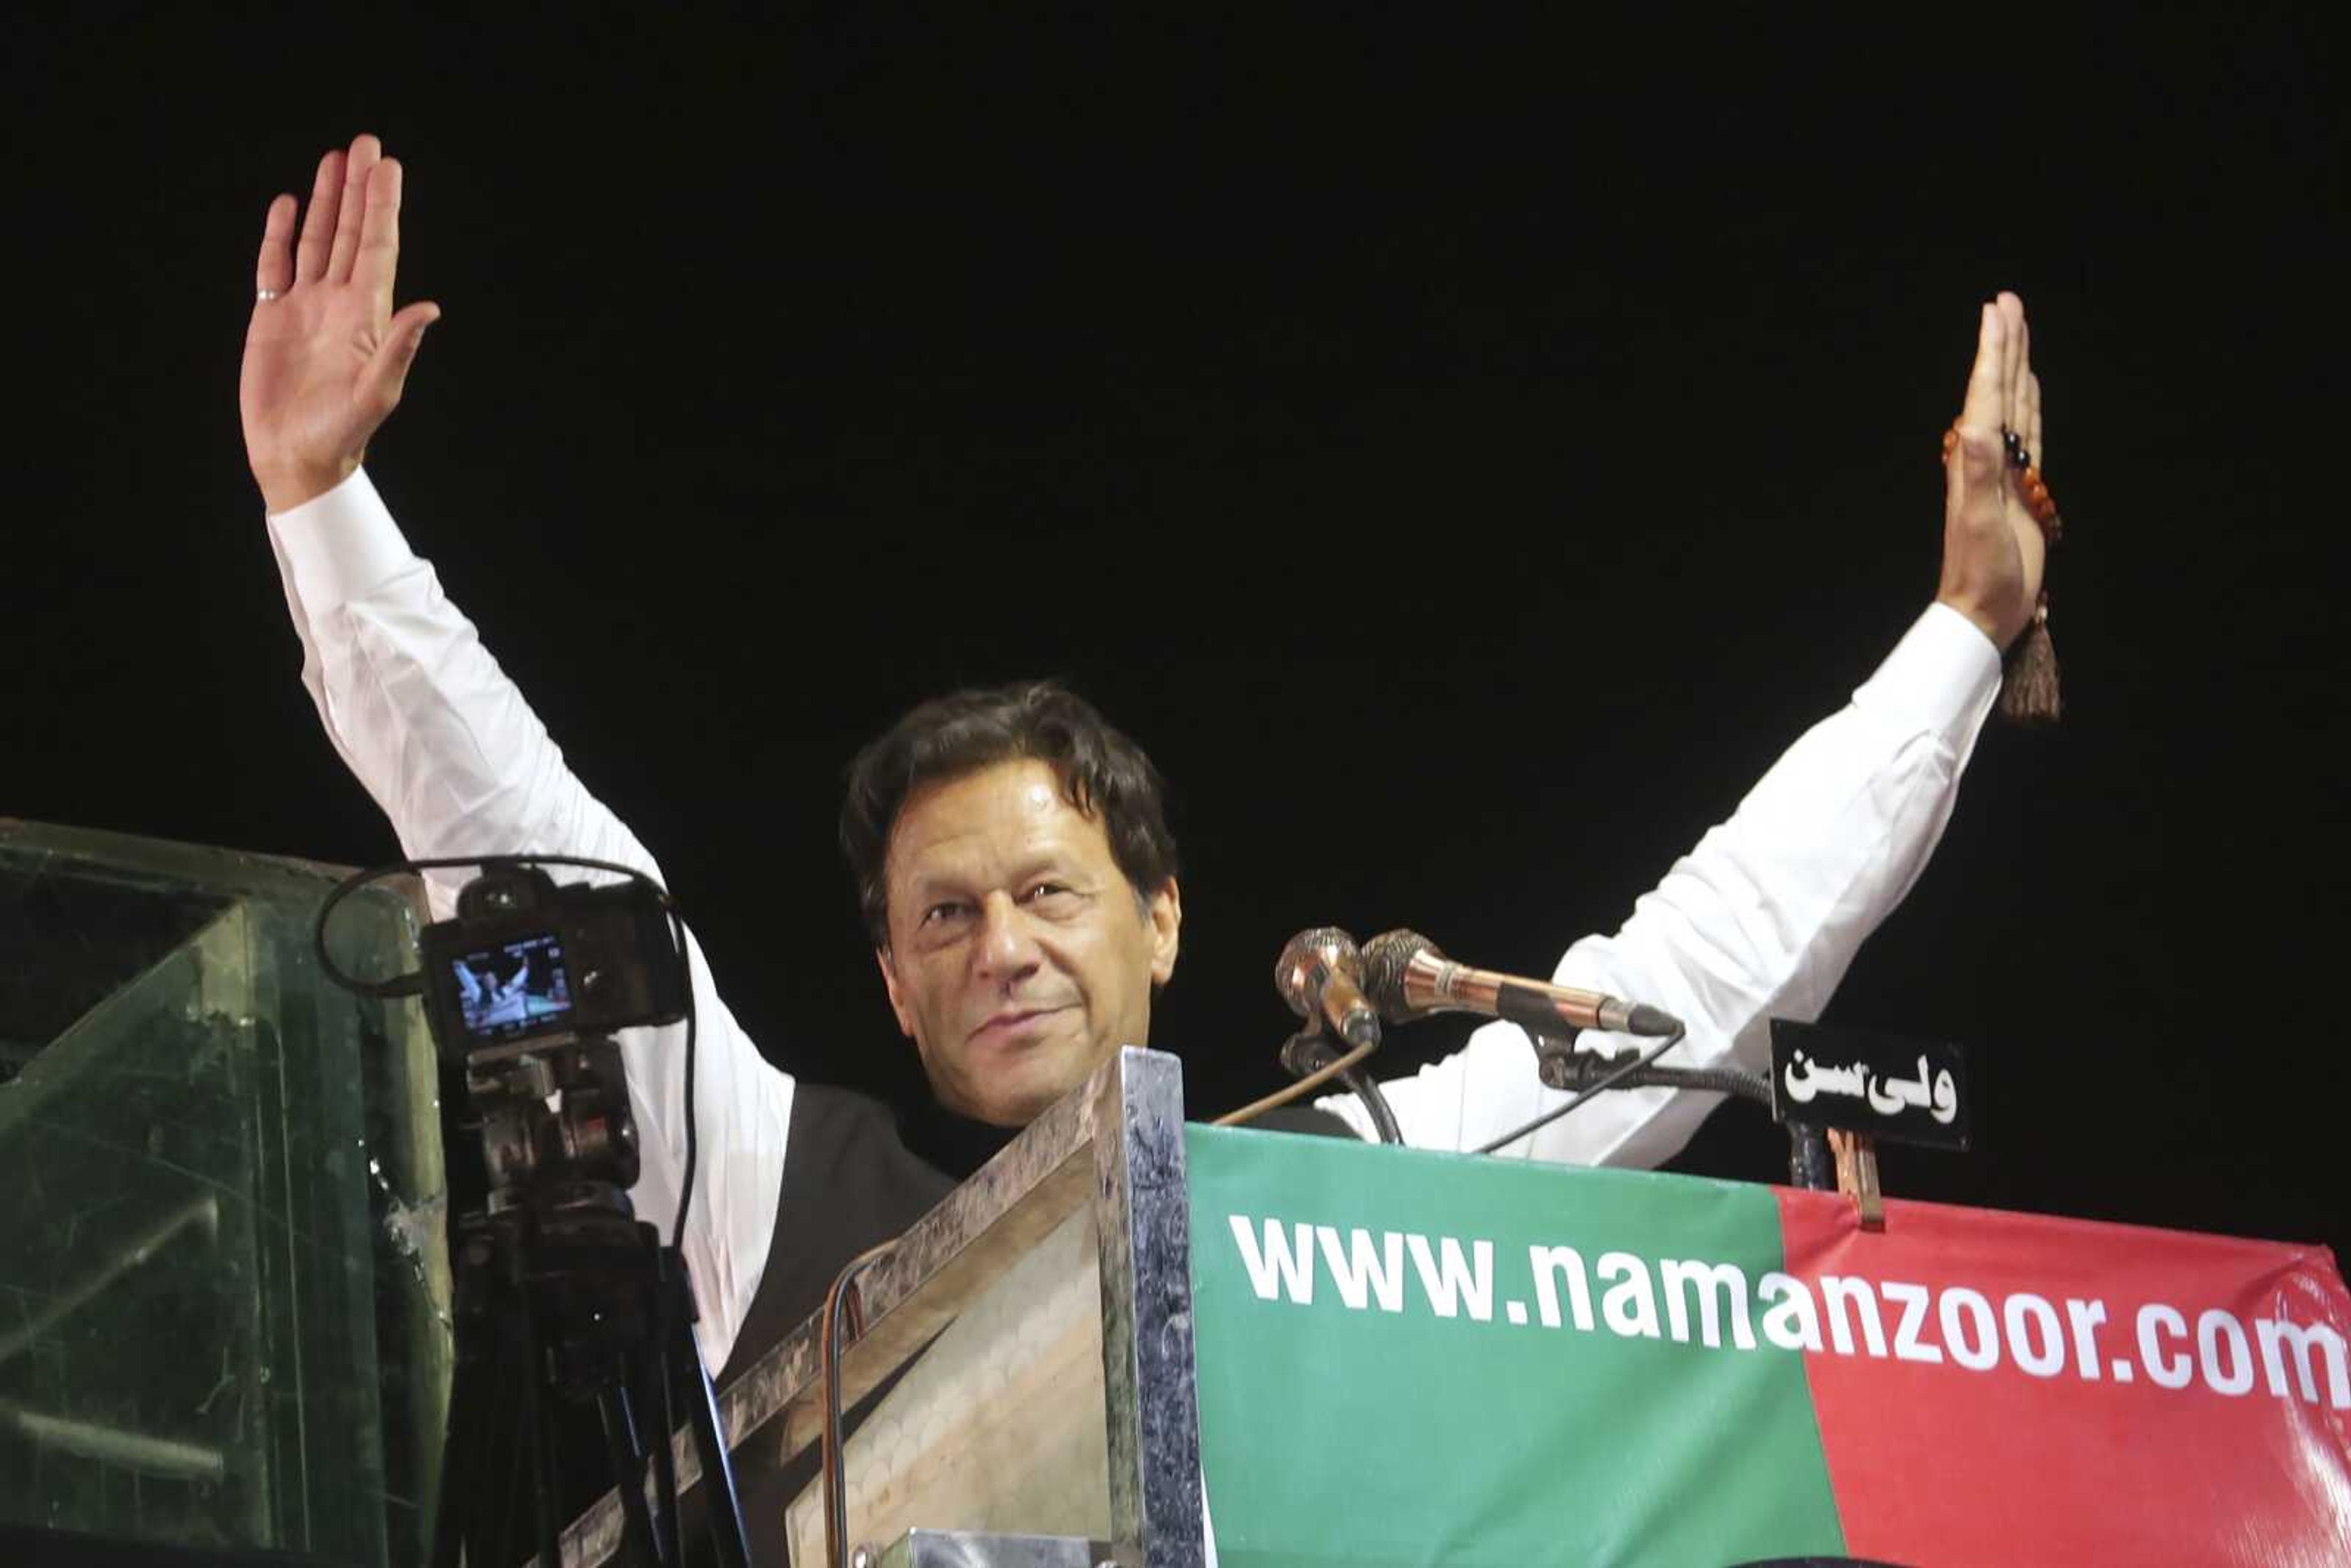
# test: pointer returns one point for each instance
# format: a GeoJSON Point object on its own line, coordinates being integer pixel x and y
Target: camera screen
{"type": "Point", "coordinates": [518, 988]}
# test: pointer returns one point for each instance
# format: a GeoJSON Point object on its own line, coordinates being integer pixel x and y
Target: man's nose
{"type": "Point", "coordinates": [1007, 946]}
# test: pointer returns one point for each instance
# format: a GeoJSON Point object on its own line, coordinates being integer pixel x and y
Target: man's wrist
{"type": "Point", "coordinates": [1982, 619]}
{"type": "Point", "coordinates": [1942, 676]}
{"type": "Point", "coordinates": [282, 489]}
{"type": "Point", "coordinates": [341, 545]}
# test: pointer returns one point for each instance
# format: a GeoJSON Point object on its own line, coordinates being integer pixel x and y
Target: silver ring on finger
{"type": "Point", "coordinates": [266, 295]}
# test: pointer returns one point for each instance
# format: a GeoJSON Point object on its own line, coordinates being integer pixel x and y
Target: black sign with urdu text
{"type": "Point", "coordinates": [1903, 1091]}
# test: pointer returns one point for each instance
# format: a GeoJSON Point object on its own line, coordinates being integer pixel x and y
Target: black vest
{"type": "Point", "coordinates": [851, 1180]}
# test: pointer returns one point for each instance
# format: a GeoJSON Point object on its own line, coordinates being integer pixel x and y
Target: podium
{"type": "Point", "coordinates": [1037, 1328]}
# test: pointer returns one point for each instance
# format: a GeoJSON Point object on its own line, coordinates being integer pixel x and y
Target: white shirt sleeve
{"type": "Point", "coordinates": [1759, 921]}
{"type": "Point", "coordinates": [431, 727]}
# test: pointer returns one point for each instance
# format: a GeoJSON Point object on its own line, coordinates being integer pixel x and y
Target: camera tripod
{"type": "Point", "coordinates": [568, 1294]}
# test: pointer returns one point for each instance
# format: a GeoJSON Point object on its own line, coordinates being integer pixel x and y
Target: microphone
{"type": "Point", "coordinates": [1406, 977]}
{"type": "Point", "coordinates": [1316, 975]}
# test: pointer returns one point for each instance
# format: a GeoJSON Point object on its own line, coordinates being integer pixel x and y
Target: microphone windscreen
{"type": "Point", "coordinates": [1326, 943]}
{"type": "Point", "coordinates": [1384, 957]}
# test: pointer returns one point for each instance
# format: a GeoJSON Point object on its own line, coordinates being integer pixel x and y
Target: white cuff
{"type": "Point", "coordinates": [340, 544]}
{"type": "Point", "coordinates": [1941, 677]}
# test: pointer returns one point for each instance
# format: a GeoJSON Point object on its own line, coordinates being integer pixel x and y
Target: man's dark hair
{"type": "Point", "coordinates": [1102, 774]}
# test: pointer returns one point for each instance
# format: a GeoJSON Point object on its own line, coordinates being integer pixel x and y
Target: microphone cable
{"type": "Point", "coordinates": [1302, 1053]}
{"type": "Point", "coordinates": [1298, 1091]}
{"type": "Point", "coordinates": [1608, 1082]}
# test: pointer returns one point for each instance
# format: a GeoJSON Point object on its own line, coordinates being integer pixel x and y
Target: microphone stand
{"type": "Point", "coordinates": [1561, 1064]}
{"type": "Point", "coordinates": [1311, 1050]}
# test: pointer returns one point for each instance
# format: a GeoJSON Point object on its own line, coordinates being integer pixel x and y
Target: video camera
{"type": "Point", "coordinates": [525, 959]}
{"type": "Point", "coordinates": [558, 1286]}
{"type": "Point", "coordinates": [527, 984]}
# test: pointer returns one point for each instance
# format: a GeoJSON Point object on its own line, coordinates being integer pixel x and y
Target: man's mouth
{"type": "Point", "coordinates": [1013, 1026]}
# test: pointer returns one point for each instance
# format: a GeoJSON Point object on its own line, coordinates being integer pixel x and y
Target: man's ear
{"type": "Point", "coordinates": [897, 998]}
{"type": "Point", "coordinates": [1164, 912]}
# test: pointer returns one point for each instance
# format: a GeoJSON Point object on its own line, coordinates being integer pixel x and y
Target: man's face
{"type": "Point", "coordinates": [1019, 956]}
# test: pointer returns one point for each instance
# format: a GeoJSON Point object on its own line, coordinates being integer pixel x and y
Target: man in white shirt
{"type": "Point", "coordinates": [1022, 916]}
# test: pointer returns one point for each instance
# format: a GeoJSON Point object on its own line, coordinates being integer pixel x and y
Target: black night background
{"type": "Point", "coordinates": [1464, 451]}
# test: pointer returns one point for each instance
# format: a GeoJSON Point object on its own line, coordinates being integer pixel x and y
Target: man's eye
{"type": "Point", "coordinates": [1057, 900]}
{"type": "Point", "coordinates": [937, 913]}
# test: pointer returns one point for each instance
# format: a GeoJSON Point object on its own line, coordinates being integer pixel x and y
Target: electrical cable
{"type": "Point", "coordinates": [1304, 1086]}
{"type": "Point", "coordinates": [1548, 1117]}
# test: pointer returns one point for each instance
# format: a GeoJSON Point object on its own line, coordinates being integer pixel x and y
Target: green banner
{"type": "Point", "coordinates": [1414, 1357]}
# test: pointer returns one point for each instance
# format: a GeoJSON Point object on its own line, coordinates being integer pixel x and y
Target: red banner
{"type": "Point", "coordinates": [2004, 1388]}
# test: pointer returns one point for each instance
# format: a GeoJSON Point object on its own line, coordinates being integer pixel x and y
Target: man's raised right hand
{"type": "Point", "coordinates": [325, 357]}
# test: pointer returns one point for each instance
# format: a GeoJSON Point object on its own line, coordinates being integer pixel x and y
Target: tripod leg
{"type": "Point", "coordinates": [466, 1444]}
{"type": "Point", "coordinates": [653, 1382]}
{"type": "Point", "coordinates": [496, 1534]}
{"type": "Point", "coordinates": [504, 1445]}
{"type": "Point", "coordinates": [725, 1505]}
{"type": "Point", "coordinates": [628, 1461]}
{"type": "Point", "coordinates": [538, 1442]}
